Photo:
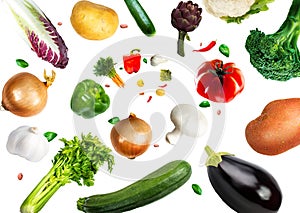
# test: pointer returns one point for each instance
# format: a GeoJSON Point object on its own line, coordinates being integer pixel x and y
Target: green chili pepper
{"type": "Point", "coordinates": [224, 49]}
{"type": "Point", "coordinates": [22, 63]}
{"type": "Point", "coordinates": [89, 99]}
{"type": "Point", "coordinates": [197, 189]}
{"type": "Point", "coordinates": [204, 104]}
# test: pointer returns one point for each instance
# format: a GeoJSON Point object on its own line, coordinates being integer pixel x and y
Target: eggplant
{"type": "Point", "coordinates": [243, 186]}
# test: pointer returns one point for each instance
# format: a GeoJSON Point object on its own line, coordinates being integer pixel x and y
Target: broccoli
{"type": "Point", "coordinates": [77, 161]}
{"type": "Point", "coordinates": [276, 56]}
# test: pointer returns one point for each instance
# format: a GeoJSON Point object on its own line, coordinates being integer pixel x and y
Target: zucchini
{"type": "Point", "coordinates": [152, 187]}
{"type": "Point", "coordinates": [141, 17]}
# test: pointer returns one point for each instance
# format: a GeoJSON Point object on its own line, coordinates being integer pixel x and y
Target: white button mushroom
{"type": "Point", "coordinates": [157, 59]}
{"type": "Point", "coordinates": [188, 120]}
{"type": "Point", "coordinates": [28, 143]}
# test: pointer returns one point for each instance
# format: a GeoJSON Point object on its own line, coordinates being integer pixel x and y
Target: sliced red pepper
{"type": "Point", "coordinates": [207, 48]}
{"type": "Point", "coordinates": [132, 62]}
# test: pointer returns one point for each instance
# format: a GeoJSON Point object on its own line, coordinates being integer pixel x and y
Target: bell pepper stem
{"type": "Point", "coordinates": [135, 51]}
{"type": "Point", "coordinates": [180, 43]}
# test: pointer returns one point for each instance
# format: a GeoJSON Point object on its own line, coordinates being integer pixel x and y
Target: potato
{"type": "Point", "coordinates": [277, 129]}
{"type": "Point", "coordinates": [94, 21]}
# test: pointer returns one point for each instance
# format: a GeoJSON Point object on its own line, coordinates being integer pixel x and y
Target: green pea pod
{"type": "Point", "coordinates": [89, 99]}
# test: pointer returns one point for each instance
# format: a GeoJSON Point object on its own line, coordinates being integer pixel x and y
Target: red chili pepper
{"type": "Point", "coordinates": [207, 48]}
{"type": "Point", "coordinates": [149, 99]}
{"type": "Point", "coordinates": [132, 62]}
{"type": "Point", "coordinates": [163, 86]}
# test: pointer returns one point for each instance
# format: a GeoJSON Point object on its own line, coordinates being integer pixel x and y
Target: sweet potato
{"type": "Point", "coordinates": [277, 129]}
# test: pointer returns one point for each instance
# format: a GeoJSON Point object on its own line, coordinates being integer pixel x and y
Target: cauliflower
{"type": "Point", "coordinates": [232, 8]}
{"type": "Point", "coordinates": [235, 10]}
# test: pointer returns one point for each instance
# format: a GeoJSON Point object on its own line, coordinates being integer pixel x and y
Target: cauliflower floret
{"type": "Point", "coordinates": [231, 8]}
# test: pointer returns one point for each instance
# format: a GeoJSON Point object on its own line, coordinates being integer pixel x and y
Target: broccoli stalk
{"type": "Point", "coordinates": [276, 56]}
{"type": "Point", "coordinates": [78, 161]}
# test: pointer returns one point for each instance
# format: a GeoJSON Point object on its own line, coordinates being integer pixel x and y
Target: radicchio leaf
{"type": "Point", "coordinates": [40, 33]}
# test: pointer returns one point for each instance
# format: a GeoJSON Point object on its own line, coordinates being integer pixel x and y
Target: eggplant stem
{"type": "Point", "coordinates": [214, 158]}
{"type": "Point", "coordinates": [49, 78]}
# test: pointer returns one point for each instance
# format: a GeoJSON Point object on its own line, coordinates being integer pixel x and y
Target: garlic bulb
{"type": "Point", "coordinates": [28, 143]}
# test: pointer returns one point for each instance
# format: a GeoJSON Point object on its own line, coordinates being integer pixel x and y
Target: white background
{"type": "Point", "coordinates": [58, 117]}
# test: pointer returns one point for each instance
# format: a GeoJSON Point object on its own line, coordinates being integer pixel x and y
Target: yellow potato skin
{"type": "Point", "coordinates": [94, 21]}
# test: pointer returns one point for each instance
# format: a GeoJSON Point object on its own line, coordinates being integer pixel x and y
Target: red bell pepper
{"type": "Point", "coordinates": [132, 62]}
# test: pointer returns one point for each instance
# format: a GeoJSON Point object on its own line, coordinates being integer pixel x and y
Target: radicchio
{"type": "Point", "coordinates": [41, 34]}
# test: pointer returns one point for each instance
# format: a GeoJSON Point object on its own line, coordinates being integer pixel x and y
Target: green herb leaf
{"type": "Point", "coordinates": [145, 60]}
{"type": "Point", "coordinates": [204, 104]}
{"type": "Point", "coordinates": [187, 37]}
{"type": "Point", "coordinates": [50, 135]}
{"type": "Point", "coordinates": [197, 189]}
{"type": "Point", "coordinates": [114, 120]}
{"type": "Point", "coordinates": [22, 63]}
{"type": "Point", "coordinates": [104, 67]}
{"type": "Point", "coordinates": [224, 49]}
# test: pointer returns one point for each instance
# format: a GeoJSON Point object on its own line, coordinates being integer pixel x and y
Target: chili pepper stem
{"type": "Point", "coordinates": [180, 43]}
{"type": "Point", "coordinates": [214, 158]}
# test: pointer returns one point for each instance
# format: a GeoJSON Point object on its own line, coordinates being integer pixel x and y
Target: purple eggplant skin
{"type": "Point", "coordinates": [245, 187]}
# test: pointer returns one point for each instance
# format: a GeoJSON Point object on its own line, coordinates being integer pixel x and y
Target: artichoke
{"type": "Point", "coordinates": [185, 18]}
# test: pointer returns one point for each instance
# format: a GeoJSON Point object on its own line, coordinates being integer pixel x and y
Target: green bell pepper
{"type": "Point", "coordinates": [89, 99]}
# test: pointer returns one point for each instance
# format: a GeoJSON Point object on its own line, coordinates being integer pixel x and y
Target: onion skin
{"type": "Point", "coordinates": [131, 137]}
{"type": "Point", "coordinates": [24, 95]}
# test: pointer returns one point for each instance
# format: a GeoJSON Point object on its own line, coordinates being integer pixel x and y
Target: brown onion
{"type": "Point", "coordinates": [131, 137]}
{"type": "Point", "coordinates": [25, 95]}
